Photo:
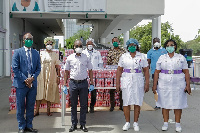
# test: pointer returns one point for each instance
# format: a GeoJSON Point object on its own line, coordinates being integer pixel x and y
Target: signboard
{"type": "Point", "coordinates": [23, 6]}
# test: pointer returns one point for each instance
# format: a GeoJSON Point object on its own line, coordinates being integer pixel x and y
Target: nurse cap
{"type": "Point", "coordinates": [131, 40]}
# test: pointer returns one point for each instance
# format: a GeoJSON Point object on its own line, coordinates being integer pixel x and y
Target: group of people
{"type": "Point", "coordinates": [37, 77]}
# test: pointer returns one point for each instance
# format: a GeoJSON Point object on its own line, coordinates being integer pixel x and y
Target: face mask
{"type": "Point", "coordinates": [78, 50]}
{"type": "Point", "coordinates": [170, 49]}
{"type": "Point", "coordinates": [157, 45]}
{"type": "Point", "coordinates": [90, 47]}
{"type": "Point", "coordinates": [28, 43]}
{"type": "Point", "coordinates": [49, 47]}
{"type": "Point", "coordinates": [115, 44]}
{"type": "Point", "coordinates": [132, 49]}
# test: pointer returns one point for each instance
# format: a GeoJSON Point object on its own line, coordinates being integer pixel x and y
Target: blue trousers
{"type": "Point", "coordinates": [81, 90]}
{"type": "Point", "coordinates": [25, 98]}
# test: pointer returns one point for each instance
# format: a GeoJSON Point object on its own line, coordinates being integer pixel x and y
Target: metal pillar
{"type": "Point", "coordinates": [63, 106]}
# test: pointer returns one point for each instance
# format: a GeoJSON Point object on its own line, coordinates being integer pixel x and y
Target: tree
{"type": "Point", "coordinates": [84, 33]}
{"type": "Point", "coordinates": [144, 35]}
{"type": "Point", "coordinates": [194, 45]}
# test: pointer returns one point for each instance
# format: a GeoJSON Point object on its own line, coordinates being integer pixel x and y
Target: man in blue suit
{"type": "Point", "coordinates": [26, 67]}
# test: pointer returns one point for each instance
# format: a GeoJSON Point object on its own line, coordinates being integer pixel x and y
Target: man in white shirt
{"type": "Point", "coordinates": [97, 62]}
{"type": "Point", "coordinates": [78, 63]}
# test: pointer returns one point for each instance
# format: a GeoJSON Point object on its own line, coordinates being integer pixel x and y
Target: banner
{"type": "Point", "coordinates": [57, 6]}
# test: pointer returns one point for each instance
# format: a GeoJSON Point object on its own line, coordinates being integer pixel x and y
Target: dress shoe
{"type": "Point", "coordinates": [73, 128]}
{"type": "Point", "coordinates": [111, 109]}
{"type": "Point", "coordinates": [83, 128]}
{"type": "Point", "coordinates": [31, 130]}
{"type": "Point", "coordinates": [21, 131]}
{"type": "Point", "coordinates": [121, 108]}
{"type": "Point", "coordinates": [91, 109]}
{"type": "Point", "coordinates": [156, 108]}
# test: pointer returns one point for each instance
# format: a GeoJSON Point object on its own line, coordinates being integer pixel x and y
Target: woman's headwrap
{"type": "Point", "coordinates": [49, 39]}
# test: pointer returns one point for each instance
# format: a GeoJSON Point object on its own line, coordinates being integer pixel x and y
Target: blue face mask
{"type": "Point", "coordinates": [170, 49]}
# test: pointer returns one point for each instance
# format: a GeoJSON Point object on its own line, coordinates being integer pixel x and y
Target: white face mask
{"type": "Point", "coordinates": [90, 47]}
{"type": "Point", "coordinates": [78, 50]}
{"type": "Point", "coordinates": [157, 45]}
{"type": "Point", "coordinates": [49, 47]}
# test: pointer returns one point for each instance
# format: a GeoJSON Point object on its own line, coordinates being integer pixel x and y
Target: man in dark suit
{"type": "Point", "coordinates": [26, 67]}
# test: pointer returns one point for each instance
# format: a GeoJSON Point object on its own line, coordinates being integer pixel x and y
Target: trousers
{"type": "Point", "coordinates": [25, 99]}
{"type": "Point", "coordinates": [78, 90]}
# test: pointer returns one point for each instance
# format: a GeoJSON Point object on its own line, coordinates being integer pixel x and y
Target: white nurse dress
{"type": "Point", "coordinates": [132, 84]}
{"type": "Point", "coordinates": [171, 87]}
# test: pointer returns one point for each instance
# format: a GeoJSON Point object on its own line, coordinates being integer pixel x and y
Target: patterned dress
{"type": "Point", "coordinates": [47, 87]}
{"type": "Point", "coordinates": [114, 55]}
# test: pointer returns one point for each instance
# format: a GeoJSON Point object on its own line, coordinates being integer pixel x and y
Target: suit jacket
{"type": "Point", "coordinates": [20, 67]}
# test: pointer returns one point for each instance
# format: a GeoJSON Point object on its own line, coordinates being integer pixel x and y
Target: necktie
{"type": "Point", "coordinates": [29, 62]}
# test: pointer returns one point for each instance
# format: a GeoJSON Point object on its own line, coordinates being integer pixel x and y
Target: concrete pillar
{"type": "Point", "coordinates": [126, 37]}
{"type": "Point", "coordinates": [103, 40]}
{"type": "Point", "coordinates": [95, 31]}
{"type": "Point", "coordinates": [7, 42]}
{"type": "Point", "coordinates": [156, 28]}
{"type": "Point", "coordinates": [65, 33]}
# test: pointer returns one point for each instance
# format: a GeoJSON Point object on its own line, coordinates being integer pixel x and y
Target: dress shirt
{"type": "Point", "coordinates": [78, 65]}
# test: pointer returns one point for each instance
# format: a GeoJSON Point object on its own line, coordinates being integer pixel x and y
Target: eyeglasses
{"type": "Point", "coordinates": [80, 46]}
{"type": "Point", "coordinates": [170, 45]}
{"type": "Point", "coordinates": [28, 39]}
{"type": "Point", "coordinates": [49, 44]}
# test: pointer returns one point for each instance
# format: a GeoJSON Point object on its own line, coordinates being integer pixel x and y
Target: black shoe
{"type": "Point", "coordinates": [31, 130]}
{"type": "Point", "coordinates": [83, 128]}
{"type": "Point", "coordinates": [111, 109]}
{"type": "Point", "coordinates": [73, 128]}
{"type": "Point", "coordinates": [91, 109]}
{"type": "Point", "coordinates": [156, 108]}
{"type": "Point", "coordinates": [121, 108]}
{"type": "Point", "coordinates": [21, 131]}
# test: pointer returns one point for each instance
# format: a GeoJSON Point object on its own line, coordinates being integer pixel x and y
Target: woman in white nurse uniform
{"type": "Point", "coordinates": [130, 68]}
{"type": "Point", "coordinates": [173, 82]}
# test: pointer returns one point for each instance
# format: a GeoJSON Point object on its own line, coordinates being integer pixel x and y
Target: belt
{"type": "Point", "coordinates": [132, 71]}
{"type": "Point", "coordinates": [171, 71]}
{"type": "Point", "coordinates": [78, 81]}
